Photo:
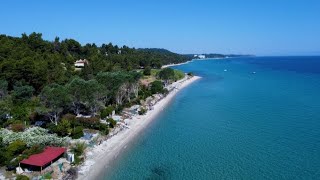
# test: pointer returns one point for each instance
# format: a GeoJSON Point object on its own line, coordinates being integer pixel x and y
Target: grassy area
{"type": "Point", "coordinates": [149, 79]}
{"type": "Point", "coordinates": [154, 72]}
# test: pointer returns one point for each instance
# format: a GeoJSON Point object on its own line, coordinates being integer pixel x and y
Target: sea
{"type": "Point", "coordinates": [246, 118]}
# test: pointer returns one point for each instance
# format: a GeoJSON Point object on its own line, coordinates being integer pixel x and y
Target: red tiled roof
{"type": "Point", "coordinates": [41, 159]}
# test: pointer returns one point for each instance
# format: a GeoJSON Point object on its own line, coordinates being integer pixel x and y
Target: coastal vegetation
{"type": "Point", "coordinates": [78, 149]}
{"type": "Point", "coordinates": [23, 177]}
{"type": "Point", "coordinates": [46, 100]}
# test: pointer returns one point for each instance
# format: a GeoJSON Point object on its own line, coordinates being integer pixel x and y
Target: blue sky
{"type": "Point", "coordinates": [261, 27]}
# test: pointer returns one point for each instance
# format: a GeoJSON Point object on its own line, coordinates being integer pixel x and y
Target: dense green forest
{"type": "Point", "coordinates": [38, 78]}
{"type": "Point", "coordinates": [36, 62]}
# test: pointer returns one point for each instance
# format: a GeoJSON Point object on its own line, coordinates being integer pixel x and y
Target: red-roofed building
{"type": "Point", "coordinates": [49, 155]}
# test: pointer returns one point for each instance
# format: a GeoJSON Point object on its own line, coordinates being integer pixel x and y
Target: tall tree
{"type": "Point", "coordinates": [3, 88]}
{"type": "Point", "coordinates": [166, 74]}
{"type": "Point", "coordinates": [76, 88]}
{"type": "Point", "coordinates": [96, 96]}
{"type": "Point", "coordinates": [87, 93]}
{"type": "Point", "coordinates": [22, 92]}
{"type": "Point", "coordinates": [55, 98]}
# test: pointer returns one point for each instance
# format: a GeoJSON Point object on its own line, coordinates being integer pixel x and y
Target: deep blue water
{"type": "Point", "coordinates": [234, 124]}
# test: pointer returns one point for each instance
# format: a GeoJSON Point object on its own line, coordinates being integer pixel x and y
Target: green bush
{"type": "Point", "coordinates": [22, 177]}
{"type": "Point", "coordinates": [78, 148]}
{"type": "Point", "coordinates": [77, 132]}
{"type": "Point", "coordinates": [11, 151]}
{"type": "Point", "coordinates": [47, 176]}
{"type": "Point", "coordinates": [16, 147]}
{"type": "Point", "coordinates": [112, 122]}
{"type": "Point", "coordinates": [77, 160]}
{"type": "Point", "coordinates": [63, 128]}
{"type": "Point", "coordinates": [142, 111]}
{"type": "Point", "coordinates": [11, 162]}
{"type": "Point", "coordinates": [36, 149]}
{"type": "Point", "coordinates": [104, 129]}
{"type": "Point", "coordinates": [106, 112]}
{"type": "Point", "coordinates": [92, 122]}
{"type": "Point", "coordinates": [52, 128]}
{"type": "Point", "coordinates": [11, 121]}
{"type": "Point", "coordinates": [166, 74]}
{"type": "Point", "coordinates": [70, 117]}
{"type": "Point", "coordinates": [147, 71]}
{"type": "Point", "coordinates": [178, 75]}
{"type": "Point", "coordinates": [103, 114]}
{"type": "Point", "coordinates": [119, 108]}
{"type": "Point", "coordinates": [144, 92]}
{"type": "Point", "coordinates": [156, 87]}
{"type": "Point", "coordinates": [20, 111]}
{"type": "Point", "coordinates": [22, 92]}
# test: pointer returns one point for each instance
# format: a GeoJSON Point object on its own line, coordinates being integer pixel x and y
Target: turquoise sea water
{"type": "Point", "coordinates": [234, 124]}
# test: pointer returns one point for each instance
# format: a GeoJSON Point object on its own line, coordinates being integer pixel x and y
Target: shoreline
{"type": "Point", "coordinates": [170, 65]}
{"type": "Point", "coordinates": [101, 157]}
{"type": "Point", "coordinates": [187, 62]}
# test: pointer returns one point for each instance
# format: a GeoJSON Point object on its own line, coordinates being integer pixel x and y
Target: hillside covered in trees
{"type": "Point", "coordinates": [36, 62]}
{"type": "Point", "coordinates": [40, 77]}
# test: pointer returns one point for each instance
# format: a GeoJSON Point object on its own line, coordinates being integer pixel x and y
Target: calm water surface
{"type": "Point", "coordinates": [234, 124]}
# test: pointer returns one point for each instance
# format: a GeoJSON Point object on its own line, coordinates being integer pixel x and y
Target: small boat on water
{"type": "Point", "coordinates": [253, 72]}
{"type": "Point", "coordinates": [225, 70]}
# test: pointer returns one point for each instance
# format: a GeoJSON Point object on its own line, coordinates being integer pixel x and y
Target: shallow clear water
{"type": "Point", "coordinates": [234, 124]}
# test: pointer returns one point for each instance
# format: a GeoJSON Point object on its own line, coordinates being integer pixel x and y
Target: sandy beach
{"type": "Point", "coordinates": [101, 157]}
{"type": "Point", "coordinates": [170, 65]}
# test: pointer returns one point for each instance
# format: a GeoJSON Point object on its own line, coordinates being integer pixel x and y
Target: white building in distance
{"type": "Point", "coordinates": [199, 56]}
{"type": "Point", "coordinates": [81, 63]}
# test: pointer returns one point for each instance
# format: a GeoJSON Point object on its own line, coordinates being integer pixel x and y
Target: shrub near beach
{"type": "Point", "coordinates": [17, 150]}
{"type": "Point", "coordinates": [142, 111]}
{"type": "Point", "coordinates": [22, 177]}
{"type": "Point", "coordinates": [78, 149]}
{"type": "Point", "coordinates": [77, 132]}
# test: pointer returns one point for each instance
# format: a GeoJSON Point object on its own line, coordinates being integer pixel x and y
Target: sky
{"type": "Point", "coordinates": [260, 27]}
